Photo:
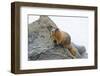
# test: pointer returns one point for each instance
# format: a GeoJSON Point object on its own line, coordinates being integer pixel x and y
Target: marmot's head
{"type": "Point", "coordinates": [55, 30]}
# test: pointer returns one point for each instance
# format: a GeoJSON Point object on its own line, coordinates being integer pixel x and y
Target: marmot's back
{"type": "Point", "coordinates": [67, 37]}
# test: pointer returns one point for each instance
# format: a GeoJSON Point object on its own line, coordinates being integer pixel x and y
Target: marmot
{"type": "Point", "coordinates": [64, 39]}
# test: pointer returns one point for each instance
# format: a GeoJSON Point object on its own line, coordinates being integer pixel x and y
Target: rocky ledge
{"type": "Point", "coordinates": [41, 45]}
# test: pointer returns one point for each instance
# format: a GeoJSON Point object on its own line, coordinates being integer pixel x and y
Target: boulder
{"type": "Point", "coordinates": [41, 45]}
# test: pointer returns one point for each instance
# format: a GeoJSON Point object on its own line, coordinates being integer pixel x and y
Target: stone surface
{"type": "Point", "coordinates": [41, 45]}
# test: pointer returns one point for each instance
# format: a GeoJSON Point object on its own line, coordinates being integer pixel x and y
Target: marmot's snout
{"type": "Point", "coordinates": [54, 30]}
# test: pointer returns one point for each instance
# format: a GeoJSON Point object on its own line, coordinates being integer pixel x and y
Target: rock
{"type": "Point", "coordinates": [41, 45]}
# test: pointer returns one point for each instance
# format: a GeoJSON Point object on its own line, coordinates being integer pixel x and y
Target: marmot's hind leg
{"type": "Point", "coordinates": [73, 51]}
{"type": "Point", "coordinates": [70, 54]}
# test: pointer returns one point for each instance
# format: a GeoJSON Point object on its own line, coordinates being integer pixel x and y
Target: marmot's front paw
{"type": "Point", "coordinates": [55, 41]}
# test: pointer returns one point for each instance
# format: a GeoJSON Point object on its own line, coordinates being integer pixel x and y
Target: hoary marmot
{"type": "Point", "coordinates": [64, 39]}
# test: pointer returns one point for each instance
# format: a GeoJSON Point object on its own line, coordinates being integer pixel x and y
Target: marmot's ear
{"type": "Point", "coordinates": [57, 29]}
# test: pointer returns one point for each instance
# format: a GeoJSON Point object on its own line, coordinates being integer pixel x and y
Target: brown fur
{"type": "Point", "coordinates": [64, 39]}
